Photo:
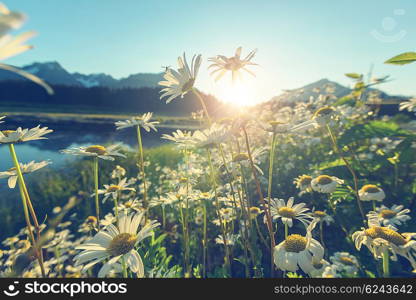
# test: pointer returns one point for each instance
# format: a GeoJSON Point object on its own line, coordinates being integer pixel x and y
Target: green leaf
{"type": "Point", "coordinates": [402, 59]}
{"type": "Point", "coordinates": [354, 75]}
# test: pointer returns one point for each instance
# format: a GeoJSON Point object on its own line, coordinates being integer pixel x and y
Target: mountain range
{"type": "Point", "coordinates": [53, 73]}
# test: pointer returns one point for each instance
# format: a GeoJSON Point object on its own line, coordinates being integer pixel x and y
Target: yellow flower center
{"type": "Point", "coordinates": [386, 234]}
{"type": "Point", "coordinates": [113, 188]}
{"type": "Point", "coordinates": [91, 220]}
{"type": "Point", "coordinates": [318, 264]}
{"type": "Point", "coordinates": [324, 179]}
{"type": "Point", "coordinates": [240, 157]}
{"type": "Point", "coordinates": [305, 180]}
{"type": "Point", "coordinates": [122, 244]}
{"type": "Point", "coordinates": [254, 211]}
{"type": "Point", "coordinates": [319, 214]}
{"type": "Point", "coordinates": [188, 85]}
{"type": "Point", "coordinates": [97, 149]}
{"type": "Point", "coordinates": [347, 261]}
{"type": "Point", "coordinates": [183, 180]}
{"type": "Point", "coordinates": [387, 214]}
{"type": "Point", "coordinates": [205, 195]}
{"type": "Point", "coordinates": [370, 188]}
{"type": "Point", "coordinates": [323, 112]}
{"type": "Point", "coordinates": [295, 243]}
{"type": "Point", "coordinates": [7, 132]}
{"type": "Point", "coordinates": [275, 123]}
{"type": "Point", "coordinates": [128, 204]}
{"type": "Point", "coordinates": [287, 212]}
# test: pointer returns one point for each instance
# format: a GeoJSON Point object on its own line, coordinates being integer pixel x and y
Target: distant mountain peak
{"type": "Point", "coordinates": [53, 73]}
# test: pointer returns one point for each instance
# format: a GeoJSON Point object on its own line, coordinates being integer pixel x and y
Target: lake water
{"type": "Point", "coordinates": [70, 134]}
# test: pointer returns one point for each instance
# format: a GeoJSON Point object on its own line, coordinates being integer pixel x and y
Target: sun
{"type": "Point", "coordinates": [236, 93]}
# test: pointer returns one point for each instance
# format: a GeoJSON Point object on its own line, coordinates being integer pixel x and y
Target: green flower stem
{"type": "Point", "coordinates": [97, 201]}
{"type": "Point", "coordinates": [271, 161]}
{"type": "Point", "coordinates": [25, 200]}
{"type": "Point", "coordinates": [142, 168]}
{"type": "Point", "coordinates": [205, 240]}
{"type": "Point", "coordinates": [185, 240]}
{"type": "Point", "coordinates": [386, 263]}
{"type": "Point", "coordinates": [286, 231]}
{"type": "Point", "coordinates": [321, 233]}
{"type": "Point", "coordinates": [350, 169]}
{"type": "Point", "coordinates": [116, 204]}
{"type": "Point", "coordinates": [124, 267]}
{"type": "Point", "coordinates": [265, 205]}
{"type": "Point", "coordinates": [201, 100]}
{"type": "Point", "coordinates": [217, 206]}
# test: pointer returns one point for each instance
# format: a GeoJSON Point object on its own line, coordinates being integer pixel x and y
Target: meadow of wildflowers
{"type": "Point", "coordinates": [323, 188]}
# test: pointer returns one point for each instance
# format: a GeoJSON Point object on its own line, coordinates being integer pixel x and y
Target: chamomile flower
{"type": "Point", "coordinates": [346, 263]}
{"type": "Point", "coordinates": [234, 64]}
{"type": "Point", "coordinates": [371, 192]}
{"type": "Point", "coordinates": [116, 243]}
{"type": "Point", "coordinates": [114, 190]}
{"type": "Point", "coordinates": [288, 212]}
{"type": "Point", "coordinates": [106, 153]}
{"type": "Point", "coordinates": [322, 216]}
{"type": "Point", "coordinates": [409, 105]}
{"type": "Point", "coordinates": [390, 217]}
{"type": "Point", "coordinates": [134, 204]}
{"type": "Point", "coordinates": [25, 168]}
{"type": "Point", "coordinates": [379, 239]}
{"type": "Point", "coordinates": [144, 122]}
{"type": "Point", "coordinates": [321, 117]}
{"type": "Point", "coordinates": [325, 184]}
{"type": "Point", "coordinates": [298, 251]}
{"type": "Point", "coordinates": [23, 135]}
{"type": "Point", "coordinates": [118, 172]}
{"type": "Point", "coordinates": [303, 182]}
{"type": "Point", "coordinates": [178, 83]}
{"type": "Point", "coordinates": [183, 139]}
{"type": "Point", "coordinates": [230, 239]}
{"type": "Point", "coordinates": [319, 267]}
{"type": "Point", "coordinates": [210, 137]}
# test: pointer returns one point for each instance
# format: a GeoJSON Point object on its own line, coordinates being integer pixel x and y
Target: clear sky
{"type": "Point", "coordinates": [298, 42]}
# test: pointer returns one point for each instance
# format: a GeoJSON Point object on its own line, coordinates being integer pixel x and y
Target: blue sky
{"type": "Point", "coordinates": [298, 42]}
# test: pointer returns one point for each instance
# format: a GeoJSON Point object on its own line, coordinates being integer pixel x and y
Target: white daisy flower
{"type": "Point", "coordinates": [303, 183]}
{"type": "Point", "coordinates": [118, 172]}
{"type": "Point", "coordinates": [134, 204]}
{"type": "Point", "coordinates": [409, 105]}
{"type": "Point", "coordinates": [23, 135]}
{"type": "Point", "coordinates": [288, 212]}
{"type": "Point", "coordinates": [325, 184]}
{"type": "Point", "coordinates": [178, 83]}
{"type": "Point", "coordinates": [331, 271]}
{"type": "Point", "coordinates": [346, 262]}
{"type": "Point", "coordinates": [99, 151]}
{"type": "Point", "coordinates": [210, 137]}
{"type": "Point", "coordinates": [383, 145]}
{"type": "Point", "coordinates": [231, 239]}
{"type": "Point", "coordinates": [319, 267]}
{"type": "Point", "coordinates": [143, 121]}
{"type": "Point", "coordinates": [235, 64]}
{"type": "Point", "coordinates": [114, 190]}
{"type": "Point", "coordinates": [321, 117]}
{"type": "Point", "coordinates": [183, 139]}
{"type": "Point", "coordinates": [25, 168]}
{"type": "Point", "coordinates": [116, 243]}
{"type": "Point", "coordinates": [379, 239]}
{"type": "Point", "coordinates": [14, 45]}
{"type": "Point", "coordinates": [322, 216]}
{"type": "Point", "coordinates": [390, 217]}
{"type": "Point", "coordinates": [371, 192]}
{"type": "Point", "coordinates": [298, 251]}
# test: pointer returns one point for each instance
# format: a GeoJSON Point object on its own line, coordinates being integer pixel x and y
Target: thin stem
{"type": "Point", "coordinates": [386, 263]}
{"type": "Point", "coordinates": [350, 169]}
{"type": "Point", "coordinates": [97, 201]}
{"type": "Point", "coordinates": [265, 205]}
{"type": "Point", "coordinates": [201, 100]}
{"type": "Point", "coordinates": [25, 200]}
{"type": "Point", "coordinates": [141, 164]}
{"type": "Point", "coordinates": [217, 206]}
{"type": "Point", "coordinates": [124, 267]}
{"type": "Point", "coordinates": [286, 231]}
{"type": "Point", "coordinates": [205, 240]}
